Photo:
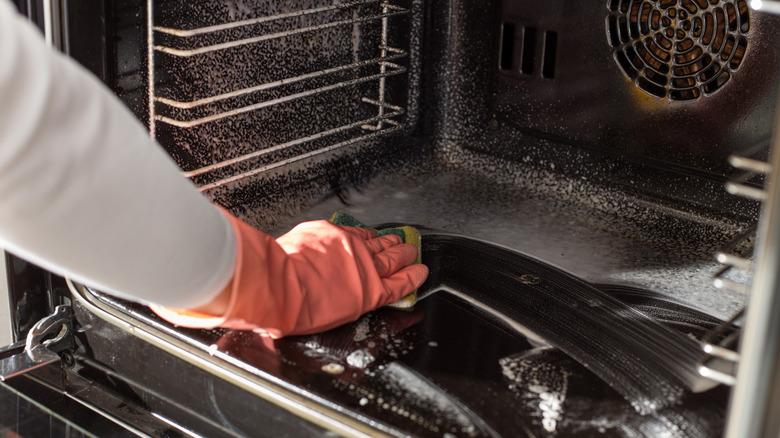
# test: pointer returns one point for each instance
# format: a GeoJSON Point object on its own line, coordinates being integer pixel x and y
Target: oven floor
{"type": "Point", "coordinates": [598, 233]}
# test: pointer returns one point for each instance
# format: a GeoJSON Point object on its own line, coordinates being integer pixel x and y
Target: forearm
{"type": "Point", "coordinates": [86, 193]}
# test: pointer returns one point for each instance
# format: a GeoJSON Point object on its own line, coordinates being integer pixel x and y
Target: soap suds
{"type": "Point", "coordinates": [544, 383]}
{"type": "Point", "coordinates": [362, 329]}
{"type": "Point", "coordinates": [360, 359]}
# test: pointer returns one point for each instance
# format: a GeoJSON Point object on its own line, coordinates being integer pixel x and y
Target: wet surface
{"type": "Point", "coordinates": [594, 231]}
{"type": "Point", "coordinates": [450, 368]}
{"type": "Point", "coordinates": [447, 368]}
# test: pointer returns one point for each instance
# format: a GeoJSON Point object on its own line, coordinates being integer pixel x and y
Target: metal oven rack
{"type": "Point", "coordinates": [725, 356]}
{"type": "Point", "coordinates": [386, 118]}
{"type": "Point", "coordinates": [736, 274]}
{"type": "Point", "coordinates": [745, 351]}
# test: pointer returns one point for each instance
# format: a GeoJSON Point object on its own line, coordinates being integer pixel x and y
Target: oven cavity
{"type": "Point", "coordinates": [678, 49]}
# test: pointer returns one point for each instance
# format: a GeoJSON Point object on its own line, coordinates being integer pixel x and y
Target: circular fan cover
{"type": "Point", "coordinates": [678, 49]}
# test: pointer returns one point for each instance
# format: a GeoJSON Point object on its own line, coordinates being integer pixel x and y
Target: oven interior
{"type": "Point", "coordinates": [594, 136]}
{"type": "Point", "coordinates": [534, 126]}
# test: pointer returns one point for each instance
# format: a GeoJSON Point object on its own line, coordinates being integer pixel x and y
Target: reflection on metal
{"type": "Point", "coordinates": [53, 20]}
{"type": "Point", "coordinates": [755, 398]}
{"type": "Point", "coordinates": [769, 6]}
{"type": "Point", "coordinates": [231, 370]}
{"type": "Point", "coordinates": [150, 67]}
{"type": "Point", "coordinates": [41, 346]}
{"type": "Point", "coordinates": [736, 274]}
{"type": "Point", "coordinates": [22, 362]}
{"type": "Point", "coordinates": [514, 325]}
{"type": "Point", "coordinates": [6, 327]}
{"type": "Point", "coordinates": [721, 363]}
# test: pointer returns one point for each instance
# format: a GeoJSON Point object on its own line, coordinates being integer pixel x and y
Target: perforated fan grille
{"type": "Point", "coordinates": [679, 49]}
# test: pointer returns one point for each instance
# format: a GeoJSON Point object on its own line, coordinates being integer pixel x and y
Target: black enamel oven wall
{"type": "Point", "coordinates": [581, 73]}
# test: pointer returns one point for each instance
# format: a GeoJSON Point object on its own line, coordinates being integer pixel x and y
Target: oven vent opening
{"type": "Point", "coordinates": [679, 50]}
{"type": "Point", "coordinates": [550, 54]}
{"type": "Point", "coordinates": [528, 58]}
{"type": "Point", "coordinates": [528, 52]}
{"type": "Point", "coordinates": [507, 52]}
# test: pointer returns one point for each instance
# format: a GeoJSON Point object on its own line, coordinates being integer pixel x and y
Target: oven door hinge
{"type": "Point", "coordinates": [46, 341]}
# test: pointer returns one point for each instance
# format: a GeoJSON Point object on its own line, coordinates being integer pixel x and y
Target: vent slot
{"type": "Point", "coordinates": [550, 54]}
{"type": "Point", "coordinates": [678, 50]}
{"type": "Point", "coordinates": [507, 55]}
{"type": "Point", "coordinates": [529, 51]}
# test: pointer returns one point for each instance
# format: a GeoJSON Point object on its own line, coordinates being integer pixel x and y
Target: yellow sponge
{"type": "Point", "coordinates": [410, 235]}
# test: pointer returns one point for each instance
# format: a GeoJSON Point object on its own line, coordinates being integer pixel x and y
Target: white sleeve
{"type": "Point", "coordinates": [84, 191]}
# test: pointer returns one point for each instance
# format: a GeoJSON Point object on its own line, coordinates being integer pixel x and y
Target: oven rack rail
{"type": "Point", "coordinates": [370, 129]}
{"type": "Point", "coordinates": [388, 10]}
{"type": "Point", "coordinates": [193, 111]}
{"type": "Point", "coordinates": [720, 344]}
{"type": "Point", "coordinates": [387, 69]}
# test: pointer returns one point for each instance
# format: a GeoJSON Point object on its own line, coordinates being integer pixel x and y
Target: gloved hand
{"type": "Point", "coordinates": [316, 277]}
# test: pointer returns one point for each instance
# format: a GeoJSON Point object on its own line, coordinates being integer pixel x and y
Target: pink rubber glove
{"type": "Point", "coordinates": [316, 277]}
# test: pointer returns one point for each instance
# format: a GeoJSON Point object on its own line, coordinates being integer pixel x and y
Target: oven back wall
{"type": "Point", "coordinates": [521, 70]}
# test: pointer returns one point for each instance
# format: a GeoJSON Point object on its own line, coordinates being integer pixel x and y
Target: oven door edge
{"type": "Point", "coordinates": [231, 370]}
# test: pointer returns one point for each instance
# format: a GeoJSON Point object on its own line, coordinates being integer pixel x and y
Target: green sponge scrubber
{"type": "Point", "coordinates": [410, 236]}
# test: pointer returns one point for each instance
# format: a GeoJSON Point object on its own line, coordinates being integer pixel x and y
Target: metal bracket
{"type": "Point", "coordinates": [47, 338]}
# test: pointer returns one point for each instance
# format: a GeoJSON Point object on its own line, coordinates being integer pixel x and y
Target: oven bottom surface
{"type": "Point", "coordinates": [448, 367]}
{"type": "Point", "coordinates": [600, 233]}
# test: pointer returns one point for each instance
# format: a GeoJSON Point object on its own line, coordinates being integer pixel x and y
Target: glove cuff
{"type": "Point", "coordinates": [239, 305]}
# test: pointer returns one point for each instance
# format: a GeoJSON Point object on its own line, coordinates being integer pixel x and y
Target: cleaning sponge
{"type": "Point", "coordinates": [410, 236]}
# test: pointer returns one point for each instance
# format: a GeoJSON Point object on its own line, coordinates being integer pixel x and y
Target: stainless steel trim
{"type": "Point", "coordinates": [6, 328]}
{"type": "Point", "coordinates": [230, 370]}
{"type": "Point", "coordinates": [754, 399]}
{"type": "Point", "coordinates": [39, 347]}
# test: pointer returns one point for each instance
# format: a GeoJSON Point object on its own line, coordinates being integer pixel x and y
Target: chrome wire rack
{"type": "Point", "coordinates": [720, 345]}
{"type": "Point", "coordinates": [744, 352]}
{"type": "Point", "coordinates": [363, 79]}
